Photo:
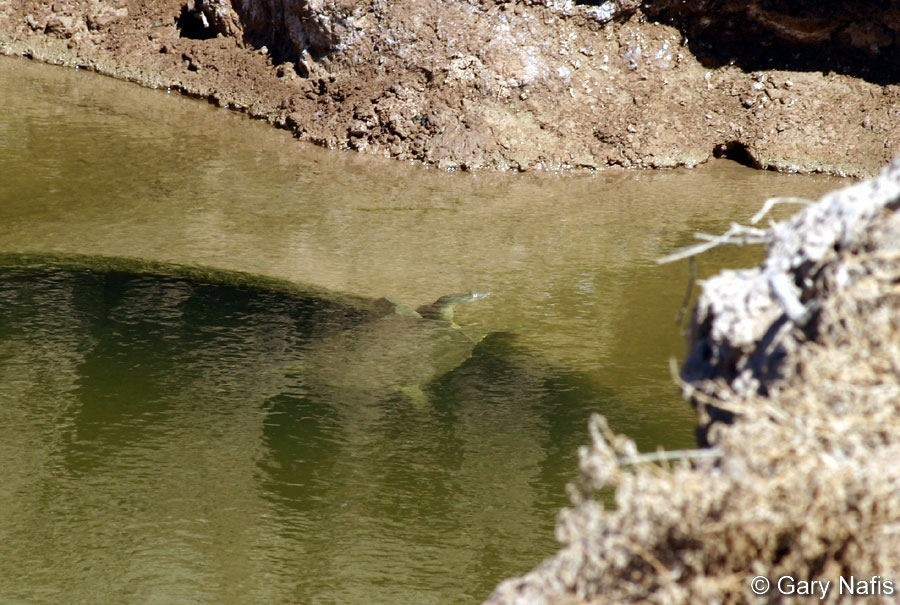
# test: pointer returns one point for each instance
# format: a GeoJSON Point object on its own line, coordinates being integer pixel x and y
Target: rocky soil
{"type": "Point", "coordinates": [523, 85]}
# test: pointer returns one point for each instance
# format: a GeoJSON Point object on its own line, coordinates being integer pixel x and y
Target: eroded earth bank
{"type": "Point", "coordinates": [803, 86]}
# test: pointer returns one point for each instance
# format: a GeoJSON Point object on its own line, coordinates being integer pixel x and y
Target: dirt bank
{"type": "Point", "coordinates": [512, 85]}
{"type": "Point", "coordinates": [795, 371]}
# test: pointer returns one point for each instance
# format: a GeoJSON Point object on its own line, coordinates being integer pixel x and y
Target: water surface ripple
{"type": "Point", "coordinates": [153, 445]}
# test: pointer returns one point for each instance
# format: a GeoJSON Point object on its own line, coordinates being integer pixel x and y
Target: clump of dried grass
{"type": "Point", "coordinates": [805, 481]}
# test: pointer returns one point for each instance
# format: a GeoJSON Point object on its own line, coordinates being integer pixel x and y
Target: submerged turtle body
{"type": "Point", "coordinates": [396, 354]}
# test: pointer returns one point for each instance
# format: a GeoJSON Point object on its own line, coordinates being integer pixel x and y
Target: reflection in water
{"type": "Point", "coordinates": [177, 445]}
{"type": "Point", "coordinates": [149, 452]}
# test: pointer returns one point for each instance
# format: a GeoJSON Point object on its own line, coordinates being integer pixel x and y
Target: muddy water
{"type": "Point", "coordinates": [153, 447]}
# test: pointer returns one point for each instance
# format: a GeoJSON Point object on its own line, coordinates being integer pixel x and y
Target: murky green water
{"type": "Point", "coordinates": [153, 448]}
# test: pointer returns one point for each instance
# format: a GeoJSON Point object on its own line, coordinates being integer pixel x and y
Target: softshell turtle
{"type": "Point", "coordinates": [397, 354]}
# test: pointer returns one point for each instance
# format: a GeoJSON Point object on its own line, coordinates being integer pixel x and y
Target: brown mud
{"type": "Point", "coordinates": [487, 84]}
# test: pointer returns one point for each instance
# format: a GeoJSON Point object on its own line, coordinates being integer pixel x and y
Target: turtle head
{"type": "Point", "coordinates": [442, 308]}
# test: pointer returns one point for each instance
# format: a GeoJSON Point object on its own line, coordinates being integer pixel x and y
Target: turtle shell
{"type": "Point", "coordinates": [392, 354]}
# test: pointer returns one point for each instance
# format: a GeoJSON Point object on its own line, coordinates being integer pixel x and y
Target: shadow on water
{"type": "Point", "coordinates": [144, 341]}
{"type": "Point", "coordinates": [521, 391]}
{"type": "Point", "coordinates": [454, 481]}
{"type": "Point", "coordinates": [183, 380]}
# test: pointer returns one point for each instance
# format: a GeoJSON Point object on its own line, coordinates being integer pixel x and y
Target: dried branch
{"type": "Point", "coordinates": [737, 234]}
{"type": "Point", "coordinates": [774, 201]}
{"type": "Point", "coordinates": [668, 455]}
